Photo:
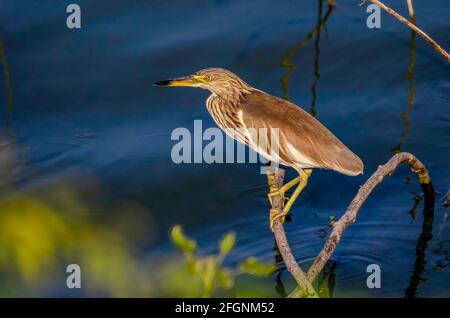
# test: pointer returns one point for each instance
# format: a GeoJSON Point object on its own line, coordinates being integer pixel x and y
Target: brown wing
{"type": "Point", "coordinates": [303, 141]}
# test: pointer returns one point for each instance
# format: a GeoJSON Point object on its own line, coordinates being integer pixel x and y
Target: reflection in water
{"type": "Point", "coordinates": [417, 199]}
{"type": "Point", "coordinates": [327, 279]}
{"type": "Point", "coordinates": [287, 62]}
{"type": "Point", "coordinates": [422, 243]}
{"type": "Point", "coordinates": [279, 287]}
{"type": "Point", "coordinates": [444, 250]}
{"type": "Point", "coordinates": [11, 157]}
{"type": "Point", "coordinates": [316, 63]}
{"type": "Point", "coordinates": [8, 86]}
{"type": "Point", "coordinates": [11, 162]}
{"type": "Point", "coordinates": [411, 91]}
{"type": "Point", "coordinates": [446, 201]}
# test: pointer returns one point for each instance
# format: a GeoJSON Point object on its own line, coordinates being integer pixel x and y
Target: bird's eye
{"type": "Point", "coordinates": [206, 78]}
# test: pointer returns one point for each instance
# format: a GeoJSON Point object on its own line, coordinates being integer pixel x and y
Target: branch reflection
{"type": "Point", "coordinates": [287, 59]}
{"type": "Point", "coordinates": [422, 243]}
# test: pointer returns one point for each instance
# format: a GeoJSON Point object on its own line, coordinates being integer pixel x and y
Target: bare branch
{"type": "Point", "coordinates": [427, 38]}
{"type": "Point", "coordinates": [299, 275]}
{"type": "Point", "coordinates": [412, 16]}
{"type": "Point", "coordinates": [352, 211]}
{"type": "Point", "coordinates": [349, 216]}
{"type": "Point", "coordinates": [303, 280]}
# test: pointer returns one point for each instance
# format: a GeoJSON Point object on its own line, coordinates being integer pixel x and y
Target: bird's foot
{"type": "Point", "coordinates": [281, 191]}
{"type": "Point", "coordinates": [276, 191]}
{"type": "Point", "coordinates": [275, 215]}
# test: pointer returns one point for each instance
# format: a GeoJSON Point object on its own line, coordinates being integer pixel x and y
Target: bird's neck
{"type": "Point", "coordinates": [225, 109]}
{"type": "Point", "coordinates": [229, 97]}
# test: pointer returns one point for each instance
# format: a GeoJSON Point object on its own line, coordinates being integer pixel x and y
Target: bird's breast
{"type": "Point", "coordinates": [227, 115]}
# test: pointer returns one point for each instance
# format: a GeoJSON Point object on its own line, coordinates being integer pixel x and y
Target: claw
{"type": "Point", "coordinates": [276, 214]}
{"type": "Point", "coordinates": [301, 182]}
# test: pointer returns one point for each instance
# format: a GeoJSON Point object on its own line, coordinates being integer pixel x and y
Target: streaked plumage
{"type": "Point", "coordinates": [253, 117]}
{"type": "Point", "coordinates": [303, 141]}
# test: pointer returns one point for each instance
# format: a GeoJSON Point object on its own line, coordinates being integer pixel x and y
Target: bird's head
{"type": "Point", "coordinates": [217, 80]}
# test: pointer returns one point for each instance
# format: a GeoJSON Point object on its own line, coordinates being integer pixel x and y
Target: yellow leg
{"type": "Point", "coordinates": [290, 184]}
{"type": "Point", "coordinates": [304, 176]}
{"type": "Point", "coordinates": [302, 181]}
{"type": "Point", "coordinates": [271, 178]}
{"type": "Point", "coordinates": [282, 190]}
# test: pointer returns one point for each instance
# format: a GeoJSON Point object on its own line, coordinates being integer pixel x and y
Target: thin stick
{"type": "Point", "coordinates": [280, 236]}
{"type": "Point", "coordinates": [412, 16]}
{"type": "Point", "coordinates": [349, 216]}
{"type": "Point", "coordinates": [427, 38]}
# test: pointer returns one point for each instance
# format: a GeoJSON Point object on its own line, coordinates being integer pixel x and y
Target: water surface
{"type": "Point", "coordinates": [80, 112]}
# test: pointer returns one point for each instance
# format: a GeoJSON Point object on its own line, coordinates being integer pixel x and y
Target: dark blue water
{"type": "Point", "coordinates": [85, 116]}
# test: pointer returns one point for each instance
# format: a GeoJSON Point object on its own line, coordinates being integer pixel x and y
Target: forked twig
{"type": "Point", "coordinates": [414, 27]}
{"type": "Point", "coordinates": [339, 227]}
{"type": "Point", "coordinates": [349, 216]}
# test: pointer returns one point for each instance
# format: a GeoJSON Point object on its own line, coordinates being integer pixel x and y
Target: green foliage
{"type": "Point", "coordinates": [50, 225]}
{"type": "Point", "coordinates": [209, 269]}
{"type": "Point", "coordinates": [227, 243]}
{"type": "Point", "coordinates": [38, 238]}
{"type": "Point", "coordinates": [226, 278]}
{"type": "Point", "coordinates": [254, 267]}
{"type": "Point", "coordinates": [332, 222]}
{"type": "Point", "coordinates": [181, 241]}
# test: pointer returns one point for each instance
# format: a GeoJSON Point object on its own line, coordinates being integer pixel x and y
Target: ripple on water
{"type": "Point", "coordinates": [363, 243]}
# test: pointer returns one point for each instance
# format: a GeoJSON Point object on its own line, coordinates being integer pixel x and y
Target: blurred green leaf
{"type": "Point", "coordinates": [181, 241]}
{"type": "Point", "coordinates": [209, 270]}
{"type": "Point", "coordinates": [254, 267]}
{"type": "Point", "coordinates": [225, 278]}
{"type": "Point", "coordinates": [177, 280]}
{"type": "Point", "coordinates": [191, 262]}
{"type": "Point", "coordinates": [40, 235]}
{"type": "Point", "coordinates": [227, 243]}
{"type": "Point", "coordinates": [208, 274]}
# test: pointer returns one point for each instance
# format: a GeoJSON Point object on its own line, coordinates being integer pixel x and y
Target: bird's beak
{"type": "Point", "coordinates": [190, 80]}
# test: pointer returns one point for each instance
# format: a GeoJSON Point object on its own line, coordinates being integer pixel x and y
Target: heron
{"type": "Point", "coordinates": [302, 142]}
